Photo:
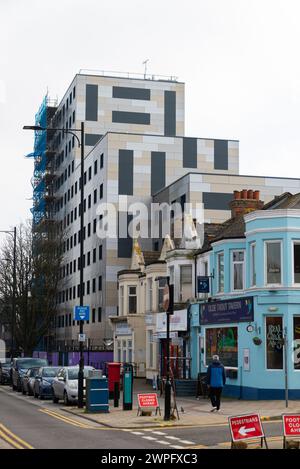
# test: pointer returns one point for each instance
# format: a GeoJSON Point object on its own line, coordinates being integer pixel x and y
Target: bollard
{"type": "Point", "coordinates": [116, 394]}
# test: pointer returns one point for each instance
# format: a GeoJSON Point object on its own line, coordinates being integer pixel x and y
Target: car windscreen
{"type": "Point", "coordinates": [73, 374]}
{"type": "Point", "coordinates": [33, 372]}
{"type": "Point", "coordinates": [30, 363]}
{"type": "Point", "coordinates": [50, 372]}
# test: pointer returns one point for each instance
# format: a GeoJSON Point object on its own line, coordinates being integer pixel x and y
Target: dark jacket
{"type": "Point", "coordinates": [216, 377]}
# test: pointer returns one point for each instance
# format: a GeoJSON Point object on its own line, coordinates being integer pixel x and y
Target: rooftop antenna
{"type": "Point", "coordinates": [145, 72]}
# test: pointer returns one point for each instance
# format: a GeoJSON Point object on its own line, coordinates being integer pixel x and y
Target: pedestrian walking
{"type": "Point", "coordinates": [216, 379]}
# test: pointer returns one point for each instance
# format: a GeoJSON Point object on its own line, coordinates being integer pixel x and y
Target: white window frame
{"type": "Point", "coordinates": [232, 270]}
{"type": "Point", "coordinates": [149, 284]}
{"type": "Point", "coordinates": [276, 370]}
{"type": "Point", "coordinates": [294, 242]}
{"type": "Point", "coordinates": [130, 295]}
{"type": "Point", "coordinates": [121, 301]}
{"type": "Point", "coordinates": [219, 254]}
{"type": "Point", "coordinates": [273, 241]}
{"type": "Point", "coordinates": [253, 265]}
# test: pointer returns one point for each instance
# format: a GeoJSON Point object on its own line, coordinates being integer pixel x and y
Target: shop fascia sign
{"type": "Point", "coordinates": [227, 311]}
{"type": "Point", "coordinates": [123, 329]}
{"type": "Point", "coordinates": [178, 321]}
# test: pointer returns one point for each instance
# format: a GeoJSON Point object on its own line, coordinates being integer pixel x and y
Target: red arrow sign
{"type": "Point", "coordinates": [291, 425]}
{"type": "Point", "coordinates": [243, 427]}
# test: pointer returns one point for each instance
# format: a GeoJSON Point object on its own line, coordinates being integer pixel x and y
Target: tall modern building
{"type": "Point", "coordinates": [135, 146]}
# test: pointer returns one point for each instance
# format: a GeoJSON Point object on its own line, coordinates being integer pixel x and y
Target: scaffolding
{"type": "Point", "coordinates": [44, 165]}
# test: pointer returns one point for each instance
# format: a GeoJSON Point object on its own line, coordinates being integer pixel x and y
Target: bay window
{"type": "Point", "coordinates": [296, 251]}
{"type": "Point", "coordinates": [238, 270]}
{"type": "Point", "coordinates": [220, 272]}
{"type": "Point", "coordinates": [132, 303]}
{"type": "Point", "coordinates": [273, 263]}
{"type": "Point", "coordinates": [252, 265]}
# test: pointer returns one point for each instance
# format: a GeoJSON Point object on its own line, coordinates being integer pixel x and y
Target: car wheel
{"type": "Point", "coordinates": [66, 399]}
{"type": "Point", "coordinates": [55, 399]}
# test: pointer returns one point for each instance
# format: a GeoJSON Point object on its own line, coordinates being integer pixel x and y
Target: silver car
{"type": "Point", "coordinates": [65, 384]}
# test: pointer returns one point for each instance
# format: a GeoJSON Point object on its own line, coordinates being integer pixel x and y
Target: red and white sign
{"type": "Point", "coordinates": [291, 424]}
{"type": "Point", "coordinates": [245, 427]}
{"type": "Point", "coordinates": [148, 400]}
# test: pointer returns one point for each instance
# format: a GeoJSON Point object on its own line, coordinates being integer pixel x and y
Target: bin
{"type": "Point", "coordinates": [114, 376]}
{"type": "Point", "coordinates": [97, 394]}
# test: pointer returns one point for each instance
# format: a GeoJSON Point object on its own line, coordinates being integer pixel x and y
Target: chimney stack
{"type": "Point", "coordinates": [245, 201]}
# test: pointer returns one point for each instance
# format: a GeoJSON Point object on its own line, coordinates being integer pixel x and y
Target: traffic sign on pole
{"type": "Point", "coordinates": [203, 284]}
{"type": "Point", "coordinates": [81, 313]}
{"type": "Point", "coordinates": [246, 427]}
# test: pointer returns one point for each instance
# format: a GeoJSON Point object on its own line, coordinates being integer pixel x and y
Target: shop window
{"type": "Point", "coordinates": [273, 262]}
{"type": "Point", "coordinates": [296, 263]}
{"type": "Point", "coordinates": [274, 345]}
{"type": "Point", "coordinates": [238, 270]}
{"type": "Point", "coordinates": [296, 343]}
{"type": "Point", "coordinates": [252, 265]}
{"type": "Point", "coordinates": [221, 272]}
{"type": "Point", "coordinates": [222, 341]}
{"type": "Point", "coordinates": [132, 300]}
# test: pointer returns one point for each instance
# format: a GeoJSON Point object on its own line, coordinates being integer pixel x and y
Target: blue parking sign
{"type": "Point", "coordinates": [81, 313]}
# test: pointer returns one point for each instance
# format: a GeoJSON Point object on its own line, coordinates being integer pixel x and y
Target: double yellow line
{"type": "Point", "coordinates": [12, 439]}
{"type": "Point", "coordinates": [64, 419]}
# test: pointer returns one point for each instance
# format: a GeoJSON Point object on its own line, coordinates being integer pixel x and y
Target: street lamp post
{"type": "Point", "coordinates": [168, 306]}
{"type": "Point", "coordinates": [13, 309]}
{"type": "Point", "coordinates": [81, 146]}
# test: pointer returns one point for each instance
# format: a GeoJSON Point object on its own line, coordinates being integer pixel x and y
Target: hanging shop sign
{"type": "Point", "coordinates": [227, 311]}
{"type": "Point", "coordinates": [178, 321]}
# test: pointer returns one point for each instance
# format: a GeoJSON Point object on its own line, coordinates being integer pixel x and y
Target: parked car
{"type": "Point", "coordinates": [43, 381]}
{"type": "Point", "coordinates": [27, 381]}
{"type": "Point", "coordinates": [19, 368]}
{"type": "Point", "coordinates": [5, 371]}
{"type": "Point", "coordinates": [65, 385]}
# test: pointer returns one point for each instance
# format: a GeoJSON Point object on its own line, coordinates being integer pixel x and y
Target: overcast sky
{"type": "Point", "coordinates": [238, 58]}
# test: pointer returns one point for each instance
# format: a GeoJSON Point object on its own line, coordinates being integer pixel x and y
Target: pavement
{"type": "Point", "coordinates": [192, 412]}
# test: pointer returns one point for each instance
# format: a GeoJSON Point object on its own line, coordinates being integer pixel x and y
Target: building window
{"type": "Point", "coordinates": [149, 294]}
{"type": "Point", "coordinates": [100, 253]}
{"type": "Point", "coordinates": [119, 351]}
{"type": "Point", "coordinates": [121, 301]}
{"type": "Point", "coordinates": [273, 262]}
{"type": "Point", "coordinates": [101, 192]}
{"type": "Point", "coordinates": [100, 283]}
{"type": "Point", "coordinates": [296, 344]}
{"type": "Point", "coordinates": [95, 167]}
{"type": "Point", "coordinates": [274, 344]}
{"type": "Point", "coordinates": [252, 265]}
{"type": "Point", "coordinates": [185, 282]}
{"type": "Point", "coordinates": [221, 272]}
{"type": "Point", "coordinates": [101, 160]}
{"type": "Point", "coordinates": [95, 196]}
{"type": "Point", "coordinates": [93, 315]}
{"type": "Point", "coordinates": [161, 286]}
{"type": "Point", "coordinates": [94, 255]}
{"type": "Point", "coordinates": [151, 344]}
{"type": "Point", "coordinates": [296, 262]}
{"type": "Point", "coordinates": [222, 341]}
{"type": "Point", "coordinates": [238, 270]}
{"type": "Point", "coordinates": [99, 314]}
{"type": "Point", "coordinates": [132, 300]}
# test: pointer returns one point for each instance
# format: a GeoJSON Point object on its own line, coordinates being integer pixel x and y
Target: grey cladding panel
{"type": "Point", "coordinates": [92, 139]}
{"type": "Point", "coordinates": [170, 113]}
{"type": "Point", "coordinates": [158, 171]}
{"type": "Point", "coordinates": [216, 200]}
{"type": "Point", "coordinates": [124, 243]}
{"type": "Point", "coordinates": [124, 117]}
{"type": "Point", "coordinates": [91, 102]}
{"type": "Point", "coordinates": [131, 93]}
{"type": "Point", "coordinates": [125, 172]}
{"type": "Point", "coordinates": [221, 154]}
{"type": "Point", "coordinates": [189, 153]}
